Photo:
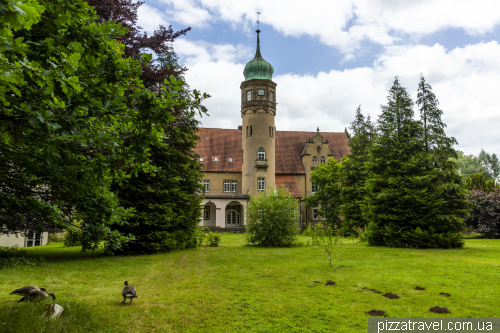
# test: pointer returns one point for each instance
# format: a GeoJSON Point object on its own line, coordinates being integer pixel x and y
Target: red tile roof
{"type": "Point", "coordinates": [290, 183]}
{"type": "Point", "coordinates": [225, 143]}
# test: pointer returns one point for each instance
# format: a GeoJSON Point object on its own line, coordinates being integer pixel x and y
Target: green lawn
{"type": "Point", "coordinates": [238, 288]}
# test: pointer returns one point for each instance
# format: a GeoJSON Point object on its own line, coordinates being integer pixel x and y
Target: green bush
{"type": "Point", "coordinates": [271, 219]}
{"type": "Point", "coordinates": [73, 236]}
{"type": "Point", "coordinates": [14, 257]}
{"type": "Point", "coordinates": [213, 239]}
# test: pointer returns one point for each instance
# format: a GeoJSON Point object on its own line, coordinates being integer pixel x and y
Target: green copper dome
{"type": "Point", "coordinates": [258, 68]}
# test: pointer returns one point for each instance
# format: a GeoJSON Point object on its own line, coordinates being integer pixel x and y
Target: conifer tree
{"type": "Point", "coordinates": [434, 136]}
{"type": "Point", "coordinates": [410, 200]}
{"type": "Point", "coordinates": [354, 172]}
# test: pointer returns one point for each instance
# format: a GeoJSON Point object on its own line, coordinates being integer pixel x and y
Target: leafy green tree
{"type": "Point", "coordinates": [271, 218]}
{"type": "Point", "coordinates": [491, 163]}
{"type": "Point", "coordinates": [327, 198]}
{"type": "Point", "coordinates": [74, 116]}
{"type": "Point", "coordinates": [410, 201]}
{"type": "Point", "coordinates": [354, 173]}
{"type": "Point", "coordinates": [477, 181]}
{"type": "Point", "coordinates": [470, 164]}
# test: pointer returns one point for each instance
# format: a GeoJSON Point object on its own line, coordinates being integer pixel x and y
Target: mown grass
{"type": "Point", "coordinates": [253, 289]}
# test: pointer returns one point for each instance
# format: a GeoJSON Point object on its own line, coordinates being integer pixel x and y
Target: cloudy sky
{"type": "Point", "coordinates": [329, 56]}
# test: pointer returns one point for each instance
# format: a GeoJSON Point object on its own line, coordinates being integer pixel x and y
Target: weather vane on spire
{"type": "Point", "coordinates": [258, 13]}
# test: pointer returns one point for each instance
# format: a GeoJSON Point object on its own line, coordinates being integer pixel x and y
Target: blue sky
{"type": "Point", "coordinates": [331, 56]}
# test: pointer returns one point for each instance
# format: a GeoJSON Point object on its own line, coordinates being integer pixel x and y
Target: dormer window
{"type": "Point", "coordinates": [249, 95]}
{"type": "Point", "coordinates": [216, 159]}
{"type": "Point", "coordinates": [201, 159]}
{"type": "Point", "coordinates": [261, 154]}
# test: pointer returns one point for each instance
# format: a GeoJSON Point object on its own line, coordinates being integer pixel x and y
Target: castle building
{"type": "Point", "coordinates": [240, 163]}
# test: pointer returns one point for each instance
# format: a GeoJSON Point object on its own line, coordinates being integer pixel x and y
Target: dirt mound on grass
{"type": "Point", "coordinates": [438, 309]}
{"type": "Point", "coordinates": [445, 294]}
{"type": "Point", "coordinates": [316, 282]}
{"type": "Point", "coordinates": [391, 296]}
{"type": "Point", "coordinates": [376, 313]}
{"type": "Point", "coordinates": [330, 283]}
{"type": "Point", "coordinates": [376, 291]}
{"type": "Point", "coordinates": [419, 288]}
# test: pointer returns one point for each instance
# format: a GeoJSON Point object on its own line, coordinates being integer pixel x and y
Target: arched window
{"type": "Point", "coordinates": [270, 133]}
{"type": "Point", "coordinates": [250, 130]}
{"type": "Point", "coordinates": [248, 133]}
{"type": "Point", "coordinates": [261, 154]}
{"type": "Point", "coordinates": [323, 159]}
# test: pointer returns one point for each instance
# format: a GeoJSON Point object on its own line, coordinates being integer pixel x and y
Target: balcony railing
{"type": "Point", "coordinates": [261, 163]}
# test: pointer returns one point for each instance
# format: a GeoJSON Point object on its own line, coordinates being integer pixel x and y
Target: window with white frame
{"type": "Point", "coordinates": [323, 160]}
{"type": "Point", "coordinates": [216, 159]}
{"type": "Point", "coordinates": [249, 95]}
{"type": "Point", "coordinates": [206, 213]}
{"type": "Point", "coordinates": [201, 159]}
{"type": "Point", "coordinates": [261, 154]}
{"type": "Point", "coordinates": [234, 186]}
{"type": "Point", "coordinates": [315, 160]}
{"type": "Point", "coordinates": [227, 186]}
{"type": "Point", "coordinates": [315, 188]}
{"type": "Point", "coordinates": [230, 159]}
{"type": "Point", "coordinates": [33, 239]}
{"type": "Point", "coordinates": [206, 185]}
{"type": "Point", "coordinates": [261, 183]}
{"type": "Point", "coordinates": [315, 213]}
{"type": "Point", "coordinates": [259, 217]}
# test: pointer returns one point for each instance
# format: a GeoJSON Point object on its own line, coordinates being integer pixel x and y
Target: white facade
{"type": "Point", "coordinates": [33, 239]}
{"type": "Point", "coordinates": [223, 212]}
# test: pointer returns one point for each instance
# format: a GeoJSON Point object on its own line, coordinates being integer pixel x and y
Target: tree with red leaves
{"type": "Point", "coordinates": [137, 42]}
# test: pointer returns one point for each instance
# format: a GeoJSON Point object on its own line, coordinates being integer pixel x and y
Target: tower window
{"type": "Point", "coordinates": [270, 132]}
{"type": "Point", "coordinates": [250, 130]}
{"type": "Point", "coordinates": [261, 184]}
{"type": "Point", "coordinates": [249, 95]}
{"type": "Point", "coordinates": [271, 97]}
{"type": "Point", "coordinates": [323, 161]}
{"type": "Point", "coordinates": [261, 154]}
{"type": "Point", "coordinates": [261, 92]}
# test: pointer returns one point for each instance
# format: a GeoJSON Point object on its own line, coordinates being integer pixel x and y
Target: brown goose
{"type": "Point", "coordinates": [37, 295]}
{"type": "Point", "coordinates": [24, 290]}
{"type": "Point", "coordinates": [128, 292]}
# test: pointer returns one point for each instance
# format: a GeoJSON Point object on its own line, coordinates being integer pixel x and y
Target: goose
{"type": "Point", "coordinates": [37, 295]}
{"type": "Point", "coordinates": [24, 290]}
{"type": "Point", "coordinates": [128, 292]}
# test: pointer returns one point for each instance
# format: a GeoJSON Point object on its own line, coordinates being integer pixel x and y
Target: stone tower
{"type": "Point", "coordinates": [258, 109]}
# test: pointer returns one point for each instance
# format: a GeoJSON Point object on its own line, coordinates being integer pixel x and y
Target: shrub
{"type": "Point", "coordinates": [271, 219]}
{"type": "Point", "coordinates": [14, 257]}
{"type": "Point", "coordinates": [73, 235]}
{"type": "Point", "coordinates": [213, 239]}
{"type": "Point", "coordinates": [485, 213]}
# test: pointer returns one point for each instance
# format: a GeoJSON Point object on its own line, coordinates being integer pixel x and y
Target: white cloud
{"type": "Point", "coordinates": [345, 23]}
{"type": "Point", "coordinates": [149, 18]}
{"type": "Point", "coordinates": [465, 81]}
{"type": "Point", "coordinates": [188, 12]}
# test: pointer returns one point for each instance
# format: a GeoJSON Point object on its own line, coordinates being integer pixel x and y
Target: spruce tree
{"type": "Point", "coordinates": [167, 209]}
{"type": "Point", "coordinates": [410, 202]}
{"type": "Point", "coordinates": [434, 136]}
{"type": "Point", "coordinates": [354, 172]}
